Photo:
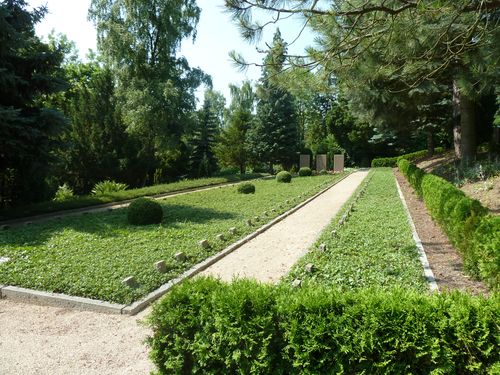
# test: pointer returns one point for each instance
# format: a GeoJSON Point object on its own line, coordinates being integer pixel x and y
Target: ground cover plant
{"type": "Point", "coordinates": [374, 247]}
{"type": "Point", "coordinates": [465, 221]}
{"type": "Point", "coordinates": [72, 202]}
{"type": "Point", "coordinates": [207, 326]}
{"type": "Point", "coordinates": [89, 255]}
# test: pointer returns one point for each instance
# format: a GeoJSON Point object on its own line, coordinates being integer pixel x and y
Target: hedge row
{"type": "Point", "coordinates": [393, 161]}
{"type": "Point", "coordinates": [206, 326]}
{"type": "Point", "coordinates": [466, 222]}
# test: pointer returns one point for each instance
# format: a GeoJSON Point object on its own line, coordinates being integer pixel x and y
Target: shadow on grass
{"type": "Point", "coordinates": [107, 225]}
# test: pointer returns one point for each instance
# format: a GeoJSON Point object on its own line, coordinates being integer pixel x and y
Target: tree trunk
{"type": "Point", "coordinates": [242, 169]}
{"type": "Point", "coordinates": [464, 126]}
{"type": "Point", "coordinates": [430, 142]}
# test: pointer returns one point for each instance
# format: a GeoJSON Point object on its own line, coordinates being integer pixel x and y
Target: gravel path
{"type": "Point", "coordinates": [270, 255]}
{"type": "Point", "coordinates": [49, 340]}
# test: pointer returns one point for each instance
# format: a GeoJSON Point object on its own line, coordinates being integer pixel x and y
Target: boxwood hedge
{"type": "Point", "coordinates": [393, 161]}
{"type": "Point", "coordinates": [207, 326]}
{"type": "Point", "coordinates": [466, 222]}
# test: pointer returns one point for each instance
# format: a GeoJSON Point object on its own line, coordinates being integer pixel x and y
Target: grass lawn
{"type": "Point", "coordinates": [92, 200]}
{"type": "Point", "coordinates": [374, 248]}
{"type": "Point", "coordinates": [89, 255]}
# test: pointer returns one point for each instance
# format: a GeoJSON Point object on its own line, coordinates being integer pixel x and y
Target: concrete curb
{"type": "Point", "coordinates": [429, 275]}
{"type": "Point", "coordinates": [63, 300]}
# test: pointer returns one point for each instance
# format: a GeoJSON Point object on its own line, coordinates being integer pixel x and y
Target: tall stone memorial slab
{"type": "Point", "coordinates": [321, 162]}
{"type": "Point", "coordinates": [338, 163]}
{"type": "Point", "coordinates": [305, 161]}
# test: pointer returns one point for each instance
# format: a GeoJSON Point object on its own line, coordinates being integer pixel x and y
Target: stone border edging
{"type": "Point", "coordinates": [429, 275]}
{"type": "Point", "coordinates": [88, 304]}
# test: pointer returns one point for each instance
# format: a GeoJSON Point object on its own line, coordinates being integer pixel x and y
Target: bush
{"type": "Point", "coordinates": [228, 171]}
{"type": "Point", "coordinates": [392, 162]}
{"type": "Point", "coordinates": [63, 193]}
{"type": "Point", "coordinates": [323, 172]}
{"type": "Point", "coordinates": [464, 220]}
{"type": "Point", "coordinates": [246, 188]}
{"type": "Point", "coordinates": [107, 187]}
{"type": "Point", "coordinates": [207, 326]}
{"type": "Point", "coordinates": [305, 171]}
{"type": "Point", "coordinates": [144, 211]}
{"type": "Point", "coordinates": [284, 176]}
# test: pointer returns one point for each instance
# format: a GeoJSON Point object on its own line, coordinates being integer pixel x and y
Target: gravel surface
{"type": "Point", "coordinates": [49, 340]}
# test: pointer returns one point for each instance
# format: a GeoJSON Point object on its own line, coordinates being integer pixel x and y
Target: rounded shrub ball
{"type": "Point", "coordinates": [284, 176]}
{"type": "Point", "coordinates": [246, 188]}
{"type": "Point", "coordinates": [305, 171]}
{"type": "Point", "coordinates": [323, 172]}
{"type": "Point", "coordinates": [144, 211]}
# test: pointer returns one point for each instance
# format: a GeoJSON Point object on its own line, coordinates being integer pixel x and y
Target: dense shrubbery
{"type": "Point", "coordinates": [393, 161]}
{"type": "Point", "coordinates": [284, 176]}
{"type": "Point", "coordinates": [107, 187]}
{"type": "Point", "coordinates": [305, 171]}
{"type": "Point", "coordinates": [63, 193]}
{"type": "Point", "coordinates": [323, 172]}
{"type": "Point", "coordinates": [144, 211]}
{"type": "Point", "coordinates": [474, 233]}
{"type": "Point", "coordinates": [246, 188]}
{"type": "Point", "coordinates": [206, 326]}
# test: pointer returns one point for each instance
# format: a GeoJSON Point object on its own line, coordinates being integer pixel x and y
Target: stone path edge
{"type": "Point", "coordinates": [116, 204]}
{"type": "Point", "coordinates": [88, 304]}
{"type": "Point", "coordinates": [429, 275]}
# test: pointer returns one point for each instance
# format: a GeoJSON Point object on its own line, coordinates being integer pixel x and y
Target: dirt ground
{"type": "Point", "coordinates": [445, 262]}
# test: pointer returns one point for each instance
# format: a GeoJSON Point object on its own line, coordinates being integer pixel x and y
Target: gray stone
{"type": "Point", "coordinates": [266, 213]}
{"type": "Point", "coordinates": [161, 266]}
{"type": "Point", "coordinates": [204, 244]}
{"type": "Point", "coordinates": [309, 268]}
{"type": "Point", "coordinates": [4, 260]}
{"type": "Point", "coordinates": [180, 256]}
{"type": "Point", "coordinates": [249, 222]}
{"type": "Point", "coordinates": [233, 230]}
{"type": "Point", "coordinates": [338, 163]}
{"type": "Point", "coordinates": [321, 162]}
{"type": "Point", "coordinates": [220, 237]}
{"type": "Point", "coordinates": [322, 247]}
{"type": "Point", "coordinates": [297, 283]}
{"type": "Point", "coordinates": [130, 282]}
{"type": "Point", "coordinates": [334, 233]}
{"type": "Point", "coordinates": [305, 160]}
{"type": "Point", "coordinates": [256, 219]}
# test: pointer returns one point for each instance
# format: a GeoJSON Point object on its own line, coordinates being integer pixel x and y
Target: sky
{"type": "Point", "coordinates": [217, 35]}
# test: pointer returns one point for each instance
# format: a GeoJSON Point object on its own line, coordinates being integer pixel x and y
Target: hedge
{"type": "Point", "coordinates": [466, 222]}
{"type": "Point", "coordinates": [207, 326]}
{"type": "Point", "coordinates": [393, 161]}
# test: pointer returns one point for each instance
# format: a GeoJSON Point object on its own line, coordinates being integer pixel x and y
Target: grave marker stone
{"type": "Point", "coordinates": [305, 161]}
{"type": "Point", "coordinates": [321, 162]}
{"type": "Point", "coordinates": [338, 163]}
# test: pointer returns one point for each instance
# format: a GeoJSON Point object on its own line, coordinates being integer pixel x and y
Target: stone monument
{"type": "Point", "coordinates": [321, 162]}
{"type": "Point", "coordinates": [305, 161]}
{"type": "Point", "coordinates": [338, 163]}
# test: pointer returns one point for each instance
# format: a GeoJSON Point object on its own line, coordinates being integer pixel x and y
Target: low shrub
{"type": "Point", "coordinates": [207, 326]}
{"type": "Point", "coordinates": [246, 188]}
{"type": "Point", "coordinates": [229, 171]}
{"type": "Point", "coordinates": [305, 171]}
{"type": "Point", "coordinates": [284, 176]}
{"type": "Point", "coordinates": [63, 193]}
{"type": "Point", "coordinates": [393, 161]}
{"type": "Point", "coordinates": [107, 187]}
{"type": "Point", "coordinates": [462, 219]}
{"type": "Point", "coordinates": [144, 211]}
{"type": "Point", "coordinates": [323, 172]}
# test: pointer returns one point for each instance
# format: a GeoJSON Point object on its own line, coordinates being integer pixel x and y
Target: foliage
{"type": "Point", "coordinates": [29, 71]}
{"type": "Point", "coordinates": [91, 200]}
{"type": "Point", "coordinates": [373, 248]}
{"type": "Point", "coordinates": [284, 176]}
{"type": "Point", "coordinates": [89, 255]}
{"type": "Point", "coordinates": [246, 188]}
{"type": "Point", "coordinates": [392, 162]}
{"type": "Point", "coordinates": [107, 187]}
{"type": "Point", "coordinates": [305, 171]}
{"type": "Point", "coordinates": [460, 217]}
{"type": "Point", "coordinates": [323, 172]}
{"type": "Point", "coordinates": [64, 192]}
{"type": "Point", "coordinates": [259, 328]}
{"type": "Point", "coordinates": [144, 211]}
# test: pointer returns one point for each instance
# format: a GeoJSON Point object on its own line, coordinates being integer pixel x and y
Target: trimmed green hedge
{"type": "Point", "coordinates": [284, 177]}
{"type": "Point", "coordinates": [144, 211]}
{"type": "Point", "coordinates": [207, 326]}
{"type": "Point", "coordinates": [305, 171]}
{"type": "Point", "coordinates": [393, 161]}
{"type": "Point", "coordinates": [246, 188]}
{"type": "Point", "coordinates": [466, 222]}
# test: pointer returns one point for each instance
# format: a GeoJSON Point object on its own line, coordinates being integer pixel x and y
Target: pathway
{"type": "Point", "coordinates": [50, 340]}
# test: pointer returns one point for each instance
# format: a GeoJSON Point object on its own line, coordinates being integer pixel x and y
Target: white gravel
{"type": "Point", "coordinates": [49, 340]}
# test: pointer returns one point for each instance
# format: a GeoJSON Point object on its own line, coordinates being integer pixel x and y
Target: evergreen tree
{"type": "Point", "coordinates": [274, 136]}
{"type": "Point", "coordinates": [29, 70]}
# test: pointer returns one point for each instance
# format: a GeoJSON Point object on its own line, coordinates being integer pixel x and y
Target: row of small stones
{"type": "Point", "coordinates": [309, 267]}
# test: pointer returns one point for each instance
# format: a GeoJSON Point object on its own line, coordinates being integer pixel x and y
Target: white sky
{"type": "Point", "coordinates": [217, 35]}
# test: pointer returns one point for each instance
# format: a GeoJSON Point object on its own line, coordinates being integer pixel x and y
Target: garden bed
{"type": "Point", "coordinates": [90, 255]}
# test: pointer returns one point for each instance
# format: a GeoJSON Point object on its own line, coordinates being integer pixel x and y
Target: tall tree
{"type": "Point", "coordinates": [29, 70]}
{"type": "Point", "coordinates": [140, 40]}
{"type": "Point", "coordinates": [274, 135]}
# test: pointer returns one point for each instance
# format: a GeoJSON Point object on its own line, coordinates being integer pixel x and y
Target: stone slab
{"type": "Point", "coordinates": [321, 162]}
{"type": "Point", "coordinates": [338, 163]}
{"type": "Point", "coordinates": [60, 300]}
{"type": "Point", "coordinates": [305, 161]}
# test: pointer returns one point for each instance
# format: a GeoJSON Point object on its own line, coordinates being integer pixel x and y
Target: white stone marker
{"type": "Point", "coordinates": [305, 161]}
{"type": "Point", "coordinates": [232, 230]}
{"type": "Point", "coordinates": [130, 282]}
{"type": "Point", "coordinates": [204, 244]}
{"type": "Point", "coordinates": [180, 256]}
{"type": "Point", "coordinates": [338, 163]}
{"type": "Point", "coordinates": [4, 260]}
{"type": "Point", "coordinates": [161, 266]}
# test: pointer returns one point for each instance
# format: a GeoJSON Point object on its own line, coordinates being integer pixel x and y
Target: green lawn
{"type": "Point", "coordinates": [89, 255]}
{"type": "Point", "coordinates": [92, 200]}
{"type": "Point", "coordinates": [374, 248]}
